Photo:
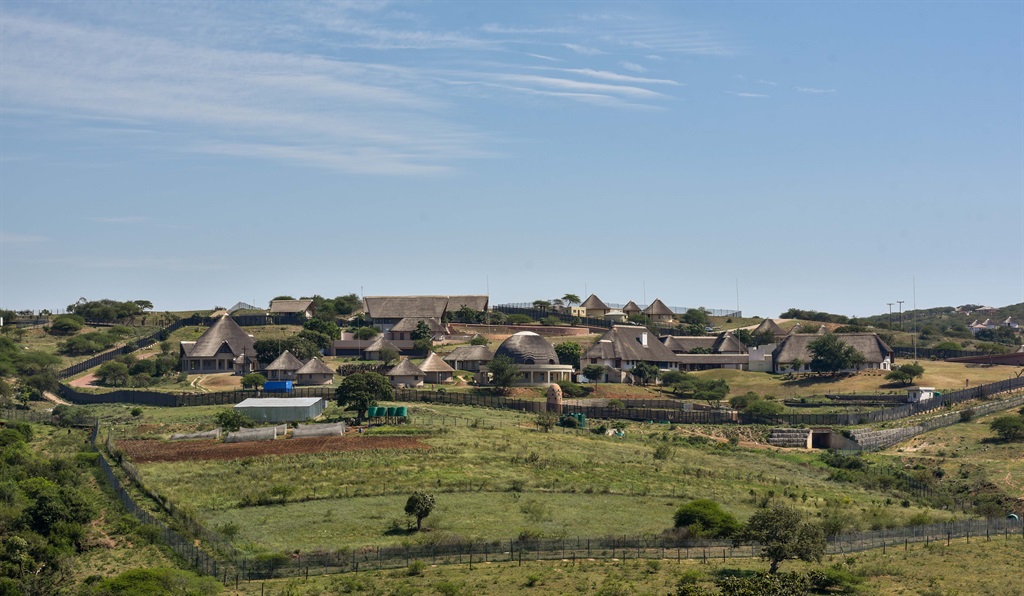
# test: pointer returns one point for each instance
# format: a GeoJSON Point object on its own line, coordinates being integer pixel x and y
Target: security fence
{"type": "Point", "coordinates": [157, 398]}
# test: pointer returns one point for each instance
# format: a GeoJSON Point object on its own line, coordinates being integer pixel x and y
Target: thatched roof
{"type": "Point", "coordinates": [405, 368]}
{"type": "Point", "coordinates": [770, 326]}
{"type": "Point", "coordinates": [315, 367]}
{"type": "Point", "coordinates": [526, 347]}
{"type": "Point", "coordinates": [594, 302]}
{"type": "Point", "coordinates": [290, 305]}
{"type": "Point", "coordinates": [682, 344]}
{"type": "Point", "coordinates": [631, 308]}
{"type": "Point", "coordinates": [625, 342]}
{"type": "Point", "coordinates": [419, 307]}
{"type": "Point", "coordinates": [720, 359]}
{"type": "Point", "coordinates": [224, 331]}
{"type": "Point", "coordinates": [468, 353]}
{"type": "Point", "coordinates": [433, 364]}
{"type": "Point", "coordinates": [380, 344]}
{"type": "Point", "coordinates": [795, 345]}
{"type": "Point", "coordinates": [658, 308]}
{"type": "Point", "coordinates": [410, 324]}
{"type": "Point", "coordinates": [286, 361]}
{"type": "Point", "coordinates": [728, 343]}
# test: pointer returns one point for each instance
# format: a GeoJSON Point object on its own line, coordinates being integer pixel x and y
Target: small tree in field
{"type": "Point", "coordinates": [420, 504]}
{"type": "Point", "coordinates": [546, 420]}
{"type": "Point", "coordinates": [504, 372]}
{"type": "Point", "coordinates": [906, 373]}
{"type": "Point", "coordinates": [231, 420]}
{"type": "Point", "coordinates": [253, 381]}
{"type": "Point", "coordinates": [782, 534]}
{"type": "Point", "coordinates": [594, 373]}
{"type": "Point", "coordinates": [388, 355]}
{"type": "Point", "coordinates": [645, 372]}
{"type": "Point", "coordinates": [1009, 428]}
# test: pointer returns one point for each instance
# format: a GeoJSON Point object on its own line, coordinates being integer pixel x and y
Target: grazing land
{"type": "Point", "coordinates": [148, 451]}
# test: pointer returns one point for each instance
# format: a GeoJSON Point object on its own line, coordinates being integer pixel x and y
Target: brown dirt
{"type": "Point", "coordinates": [142, 451]}
{"type": "Point", "coordinates": [83, 381]}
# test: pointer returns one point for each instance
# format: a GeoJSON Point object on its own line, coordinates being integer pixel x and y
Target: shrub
{"type": "Point", "coordinates": [1009, 428]}
{"type": "Point", "coordinates": [232, 420]}
{"type": "Point", "coordinates": [966, 415]}
{"type": "Point", "coordinates": [416, 568]}
{"type": "Point", "coordinates": [705, 518]}
{"type": "Point", "coordinates": [67, 325]}
{"type": "Point", "coordinates": [574, 390]}
{"type": "Point", "coordinates": [518, 319]}
{"type": "Point", "coordinates": [663, 452]}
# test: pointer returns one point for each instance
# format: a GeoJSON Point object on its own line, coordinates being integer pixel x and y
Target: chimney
{"type": "Point", "coordinates": [643, 339]}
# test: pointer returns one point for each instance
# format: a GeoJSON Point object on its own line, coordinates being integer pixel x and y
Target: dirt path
{"type": "Point", "coordinates": [51, 397]}
{"type": "Point", "coordinates": [83, 381]}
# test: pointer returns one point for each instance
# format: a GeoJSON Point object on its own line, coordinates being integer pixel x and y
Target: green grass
{"type": "Point", "coordinates": [976, 568]}
{"type": "Point", "coordinates": [471, 469]}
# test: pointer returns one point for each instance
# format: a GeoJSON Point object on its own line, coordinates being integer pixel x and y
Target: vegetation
{"type": "Point", "coordinates": [419, 505]}
{"type": "Point", "coordinates": [906, 373]}
{"type": "Point", "coordinates": [67, 324]}
{"type": "Point", "coordinates": [645, 373]}
{"type": "Point", "coordinates": [156, 581]}
{"type": "Point", "coordinates": [813, 315]}
{"type": "Point", "coordinates": [569, 352]}
{"type": "Point", "coordinates": [267, 350]}
{"type": "Point", "coordinates": [231, 420]}
{"type": "Point", "coordinates": [1009, 428]}
{"type": "Point", "coordinates": [782, 534]}
{"type": "Point", "coordinates": [360, 391]}
{"type": "Point", "coordinates": [504, 372]}
{"type": "Point", "coordinates": [109, 311]}
{"type": "Point", "coordinates": [830, 355]}
{"type": "Point", "coordinates": [704, 518]}
{"type": "Point", "coordinates": [365, 333]}
{"type": "Point", "coordinates": [594, 372]}
{"type": "Point", "coordinates": [688, 386]}
{"type": "Point", "coordinates": [546, 421]}
{"type": "Point", "coordinates": [253, 381]}
{"type": "Point", "coordinates": [94, 341]}
{"type": "Point", "coordinates": [129, 371]}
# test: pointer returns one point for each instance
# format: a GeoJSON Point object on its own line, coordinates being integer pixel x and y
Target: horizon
{"type": "Point", "coordinates": [833, 157]}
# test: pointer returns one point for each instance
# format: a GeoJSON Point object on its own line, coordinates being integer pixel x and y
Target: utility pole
{"type": "Point", "coordinates": [890, 314]}
{"type": "Point", "coordinates": [900, 302]}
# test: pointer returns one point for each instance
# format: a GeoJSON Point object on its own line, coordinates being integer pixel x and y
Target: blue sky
{"type": "Point", "coordinates": [820, 155]}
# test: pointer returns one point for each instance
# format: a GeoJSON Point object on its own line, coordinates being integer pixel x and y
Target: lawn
{"type": "Point", "coordinates": [977, 567]}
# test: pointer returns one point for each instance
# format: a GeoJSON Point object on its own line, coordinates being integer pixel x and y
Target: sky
{"type": "Point", "coordinates": [829, 156]}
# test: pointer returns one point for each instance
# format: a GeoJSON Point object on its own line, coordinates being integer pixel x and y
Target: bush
{"type": "Point", "coordinates": [136, 412]}
{"type": "Point", "coordinates": [705, 518]}
{"type": "Point", "coordinates": [573, 390]}
{"type": "Point", "coordinates": [66, 325]}
{"type": "Point", "coordinates": [1009, 428]}
{"type": "Point", "coordinates": [518, 319]}
{"type": "Point", "coordinates": [232, 420]}
{"type": "Point", "coordinates": [253, 381]}
{"type": "Point", "coordinates": [762, 407]}
{"type": "Point", "coordinates": [154, 581]}
{"type": "Point", "coordinates": [663, 452]}
{"type": "Point", "coordinates": [966, 415]}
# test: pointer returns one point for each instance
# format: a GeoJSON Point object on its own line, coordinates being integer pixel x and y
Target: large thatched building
{"type": "Point", "coordinates": [225, 347]}
{"type": "Point", "coordinates": [534, 356]}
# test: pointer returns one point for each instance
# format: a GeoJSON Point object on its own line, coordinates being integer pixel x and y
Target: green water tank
{"type": "Point", "coordinates": [371, 412]}
{"type": "Point", "coordinates": [401, 411]}
{"type": "Point", "coordinates": [391, 411]}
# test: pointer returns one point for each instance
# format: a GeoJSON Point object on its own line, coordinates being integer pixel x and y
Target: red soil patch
{"type": "Point", "coordinates": [142, 451]}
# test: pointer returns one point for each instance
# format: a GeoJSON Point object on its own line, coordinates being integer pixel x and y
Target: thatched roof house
{"type": "Point", "coordinates": [403, 329]}
{"type": "Point", "coordinates": [298, 307]}
{"type": "Point", "coordinates": [877, 354]}
{"type": "Point", "coordinates": [534, 356]}
{"type": "Point", "coordinates": [406, 374]}
{"type": "Point", "coordinates": [624, 346]}
{"type": "Point", "coordinates": [389, 310]}
{"type": "Point", "coordinates": [379, 344]}
{"type": "Point", "coordinates": [224, 347]}
{"type": "Point", "coordinates": [283, 368]}
{"type": "Point", "coordinates": [770, 326]}
{"type": "Point", "coordinates": [436, 370]}
{"type": "Point", "coordinates": [631, 308]}
{"type": "Point", "coordinates": [314, 372]}
{"type": "Point", "coordinates": [469, 358]}
{"type": "Point", "coordinates": [596, 308]}
{"type": "Point", "coordinates": [659, 312]}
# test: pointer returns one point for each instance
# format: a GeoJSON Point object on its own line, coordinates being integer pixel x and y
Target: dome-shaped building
{"type": "Point", "coordinates": [536, 358]}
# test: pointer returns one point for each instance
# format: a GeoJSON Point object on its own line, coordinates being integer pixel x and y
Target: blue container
{"type": "Point", "coordinates": [278, 386]}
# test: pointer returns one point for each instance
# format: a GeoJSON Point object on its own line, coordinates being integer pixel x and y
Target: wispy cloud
{"type": "Point", "coordinates": [764, 82]}
{"type": "Point", "coordinates": [614, 76]}
{"type": "Point", "coordinates": [633, 66]}
{"type": "Point", "coordinates": [584, 86]}
{"type": "Point", "coordinates": [543, 57]}
{"type": "Point", "coordinates": [121, 219]}
{"type": "Point", "coordinates": [745, 94]}
{"type": "Point", "coordinates": [9, 238]}
{"type": "Point", "coordinates": [504, 30]}
{"type": "Point", "coordinates": [584, 50]}
{"type": "Point", "coordinates": [814, 90]}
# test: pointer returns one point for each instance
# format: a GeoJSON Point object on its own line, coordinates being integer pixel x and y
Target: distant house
{"type": "Point", "coordinates": [406, 374]}
{"type": "Point", "coordinates": [304, 308]}
{"type": "Point", "coordinates": [877, 354]}
{"type": "Point", "coordinates": [436, 370]}
{"type": "Point", "coordinates": [659, 312]}
{"type": "Point", "coordinates": [770, 326]}
{"type": "Point", "coordinates": [314, 372]}
{"type": "Point", "coordinates": [596, 309]}
{"type": "Point", "coordinates": [283, 368]}
{"type": "Point", "coordinates": [386, 311]}
{"type": "Point", "coordinates": [631, 308]}
{"type": "Point", "coordinates": [625, 346]}
{"type": "Point", "coordinates": [224, 347]}
{"type": "Point", "coordinates": [403, 329]}
{"type": "Point", "coordinates": [1011, 323]}
{"type": "Point", "coordinates": [378, 345]}
{"type": "Point", "coordinates": [469, 358]}
{"type": "Point", "coordinates": [615, 316]}
{"type": "Point", "coordinates": [534, 356]}
{"type": "Point", "coordinates": [707, 352]}
{"type": "Point", "coordinates": [975, 327]}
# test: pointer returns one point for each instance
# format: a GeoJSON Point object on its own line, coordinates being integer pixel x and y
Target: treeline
{"type": "Point", "coordinates": [36, 371]}
{"type": "Point", "coordinates": [109, 311]}
{"type": "Point", "coordinates": [814, 315]}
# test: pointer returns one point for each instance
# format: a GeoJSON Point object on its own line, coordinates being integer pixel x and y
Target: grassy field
{"type": "Point", "coordinates": [963, 448]}
{"type": "Point", "coordinates": [496, 474]}
{"type": "Point", "coordinates": [962, 568]}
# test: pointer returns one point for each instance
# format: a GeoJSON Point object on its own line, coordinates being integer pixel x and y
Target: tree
{"type": "Point", "coordinates": [906, 373]}
{"type": "Point", "coordinates": [479, 340]}
{"type": "Point", "coordinates": [276, 298]}
{"type": "Point", "coordinates": [360, 391]}
{"type": "Point", "coordinates": [423, 345]}
{"type": "Point", "coordinates": [569, 353]}
{"type": "Point", "coordinates": [66, 325]}
{"type": "Point", "coordinates": [782, 534]}
{"type": "Point", "coordinates": [231, 420]}
{"type": "Point", "coordinates": [830, 355]}
{"type": "Point", "coordinates": [253, 381]}
{"type": "Point", "coordinates": [504, 372]}
{"type": "Point", "coordinates": [318, 339]}
{"type": "Point", "coordinates": [422, 331]}
{"type": "Point", "coordinates": [796, 365]}
{"type": "Point", "coordinates": [645, 372]}
{"type": "Point", "coordinates": [696, 316]}
{"type": "Point", "coordinates": [706, 519]}
{"type": "Point", "coordinates": [571, 299]}
{"type": "Point", "coordinates": [712, 391]}
{"type": "Point", "coordinates": [328, 328]}
{"type": "Point", "coordinates": [113, 374]}
{"type": "Point", "coordinates": [1009, 428]}
{"type": "Point", "coordinates": [364, 333]}
{"type": "Point", "coordinates": [387, 356]}
{"type": "Point", "coordinates": [420, 504]}
{"type": "Point", "coordinates": [594, 372]}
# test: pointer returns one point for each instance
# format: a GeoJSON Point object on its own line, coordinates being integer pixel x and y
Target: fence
{"type": "Point", "coordinates": [172, 400]}
{"type": "Point", "coordinates": [928, 353]}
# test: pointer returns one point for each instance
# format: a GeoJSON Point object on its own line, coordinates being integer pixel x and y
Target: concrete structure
{"type": "Point", "coordinates": [281, 409]}
{"type": "Point", "coordinates": [919, 394]}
